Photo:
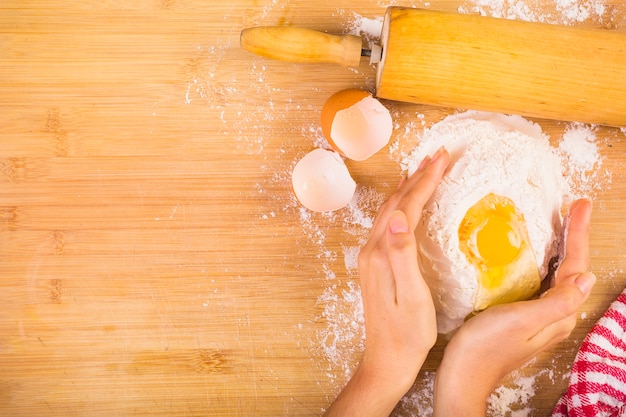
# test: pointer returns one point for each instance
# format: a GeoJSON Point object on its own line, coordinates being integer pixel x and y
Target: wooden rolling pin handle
{"type": "Point", "coordinates": [302, 45]}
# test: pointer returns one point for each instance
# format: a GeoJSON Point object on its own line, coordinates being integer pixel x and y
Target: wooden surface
{"type": "Point", "coordinates": [152, 257]}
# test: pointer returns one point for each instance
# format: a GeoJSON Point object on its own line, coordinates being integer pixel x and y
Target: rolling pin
{"type": "Point", "coordinates": [475, 62]}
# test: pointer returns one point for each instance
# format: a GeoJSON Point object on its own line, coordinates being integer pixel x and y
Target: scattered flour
{"type": "Point", "coordinates": [564, 12]}
{"type": "Point", "coordinates": [581, 160]}
{"type": "Point", "coordinates": [419, 401]}
{"type": "Point", "coordinates": [351, 257]}
{"type": "Point", "coordinates": [574, 11]}
{"type": "Point", "coordinates": [579, 145]}
{"type": "Point", "coordinates": [512, 398]}
{"type": "Point", "coordinates": [344, 335]}
{"type": "Point", "coordinates": [368, 28]}
{"type": "Point", "coordinates": [341, 341]}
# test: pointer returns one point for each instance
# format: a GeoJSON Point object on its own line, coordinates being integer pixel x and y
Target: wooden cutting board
{"type": "Point", "coordinates": [152, 257]}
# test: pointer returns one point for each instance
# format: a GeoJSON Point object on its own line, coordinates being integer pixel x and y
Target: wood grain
{"type": "Point", "coordinates": [152, 257]}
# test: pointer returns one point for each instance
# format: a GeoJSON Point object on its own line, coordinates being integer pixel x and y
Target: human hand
{"type": "Point", "coordinates": [501, 339]}
{"type": "Point", "coordinates": [399, 313]}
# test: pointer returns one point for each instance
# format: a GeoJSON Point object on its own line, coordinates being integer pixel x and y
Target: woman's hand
{"type": "Point", "coordinates": [501, 339]}
{"type": "Point", "coordinates": [399, 313]}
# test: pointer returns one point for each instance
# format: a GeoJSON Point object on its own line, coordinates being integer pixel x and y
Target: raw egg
{"type": "Point", "coordinates": [493, 237]}
{"type": "Point", "coordinates": [356, 124]}
{"type": "Point", "coordinates": [493, 224]}
{"type": "Point", "coordinates": [322, 182]}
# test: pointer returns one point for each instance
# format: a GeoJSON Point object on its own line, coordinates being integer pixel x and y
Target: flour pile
{"type": "Point", "coordinates": [490, 153]}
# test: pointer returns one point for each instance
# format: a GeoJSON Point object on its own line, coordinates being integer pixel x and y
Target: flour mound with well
{"type": "Point", "coordinates": [490, 153]}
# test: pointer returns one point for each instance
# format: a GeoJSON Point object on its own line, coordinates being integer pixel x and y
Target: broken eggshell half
{"type": "Point", "coordinates": [356, 124]}
{"type": "Point", "coordinates": [322, 182]}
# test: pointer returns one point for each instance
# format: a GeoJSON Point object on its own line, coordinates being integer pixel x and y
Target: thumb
{"type": "Point", "coordinates": [566, 297]}
{"type": "Point", "coordinates": [403, 257]}
{"type": "Point", "coordinates": [398, 223]}
{"type": "Point", "coordinates": [555, 311]}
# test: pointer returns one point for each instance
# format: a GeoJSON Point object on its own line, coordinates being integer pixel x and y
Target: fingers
{"type": "Point", "coordinates": [377, 281]}
{"type": "Point", "coordinates": [376, 269]}
{"type": "Point", "coordinates": [576, 260]}
{"type": "Point", "coordinates": [557, 315]}
{"type": "Point", "coordinates": [413, 193]}
{"type": "Point", "coordinates": [398, 223]}
{"type": "Point", "coordinates": [374, 258]}
{"type": "Point", "coordinates": [391, 263]}
{"type": "Point", "coordinates": [403, 259]}
{"type": "Point", "coordinates": [421, 186]}
{"type": "Point", "coordinates": [573, 281]}
{"type": "Point", "coordinates": [412, 295]}
{"type": "Point", "coordinates": [563, 300]}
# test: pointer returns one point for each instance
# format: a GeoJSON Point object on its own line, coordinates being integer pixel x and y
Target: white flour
{"type": "Point", "coordinates": [512, 398]}
{"type": "Point", "coordinates": [339, 343]}
{"type": "Point", "coordinates": [342, 340]}
{"type": "Point", "coordinates": [368, 29]}
{"type": "Point", "coordinates": [582, 163]}
{"type": "Point", "coordinates": [583, 171]}
{"type": "Point", "coordinates": [419, 401]}
{"type": "Point", "coordinates": [564, 12]}
{"type": "Point", "coordinates": [578, 144]}
{"type": "Point", "coordinates": [490, 153]}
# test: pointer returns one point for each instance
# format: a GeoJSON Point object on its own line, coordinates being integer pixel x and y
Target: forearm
{"type": "Point", "coordinates": [456, 408]}
{"type": "Point", "coordinates": [367, 394]}
{"type": "Point", "coordinates": [458, 394]}
{"type": "Point", "coordinates": [460, 402]}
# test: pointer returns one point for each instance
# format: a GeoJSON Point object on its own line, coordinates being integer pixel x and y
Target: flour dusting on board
{"type": "Point", "coordinates": [340, 340]}
{"type": "Point", "coordinates": [582, 163]}
{"type": "Point", "coordinates": [368, 28]}
{"type": "Point", "coordinates": [564, 12]}
{"type": "Point", "coordinates": [343, 339]}
{"type": "Point", "coordinates": [419, 400]}
{"type": "Point", "coordinates": [512, 397]}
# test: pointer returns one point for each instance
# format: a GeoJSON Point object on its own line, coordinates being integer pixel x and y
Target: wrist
{"type": "Point", "coordinates": [368, 394]}
{"type": "Point", "coordinates": [382, 379]}
{"type": "Point", "coordinates": [394, 376]}
{"type": "Point", "coordinates": [459, 395]}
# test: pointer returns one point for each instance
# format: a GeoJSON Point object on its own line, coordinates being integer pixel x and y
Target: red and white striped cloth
{"type": "Point", "coordinates": [597, 385]}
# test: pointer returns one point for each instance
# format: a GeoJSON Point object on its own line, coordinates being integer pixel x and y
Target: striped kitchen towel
{"type": "Point", "coordinates": [597, 384]}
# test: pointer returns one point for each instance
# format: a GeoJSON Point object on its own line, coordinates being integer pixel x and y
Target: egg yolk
{"type": "Point", "coordinates": [493, 237]}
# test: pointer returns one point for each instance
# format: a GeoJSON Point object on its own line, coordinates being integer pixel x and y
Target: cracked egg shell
{"type": "Point", "coordinates": [322, 182]}
{"type": "Point", "coordinates": [356, 124]}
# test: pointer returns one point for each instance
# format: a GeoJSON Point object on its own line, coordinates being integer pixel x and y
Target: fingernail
{"type": "Point", "coordinates": [437, 155]}
{"type": "Point", "coordinates": [398, 223]}
{"type": "Point", "coordinates": [578, 202]}
{"type": "Point", "coordinates": [585, 282]}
